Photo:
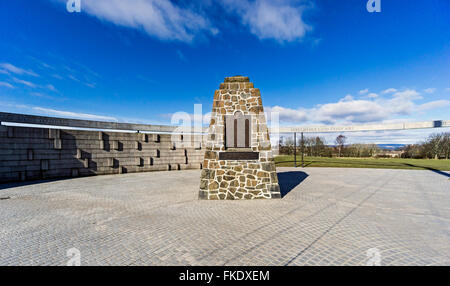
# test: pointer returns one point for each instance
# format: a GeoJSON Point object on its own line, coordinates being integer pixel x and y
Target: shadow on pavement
{"type": "Point", "coordinates": [289, 180]}
{"type": "Point", "coordinates": [431, 169]}
{"type": "Point", "coordinates": [4, 186]}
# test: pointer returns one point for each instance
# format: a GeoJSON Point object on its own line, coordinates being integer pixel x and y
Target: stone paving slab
{"type": "Point", "coordinates": [330, 216]}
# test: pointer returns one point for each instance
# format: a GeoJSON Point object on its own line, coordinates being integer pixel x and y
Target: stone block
{"type": "Point", "coordinates": [30, 154]}
{"type": "Point", "coordinates": [276, 196]}
{"type": "Point", "coordinates": [203, 195]}
{"type": "Point", "coordinates": [86, 163]}
{"type": "Point", "coordinates": [115, 145]}
{"type": "Point", "coordinates": [57, 144]}
{"type": "Point", "coordinates": [210, 155]}
{"type": "Point", "coordinates": [54, 133]}
{"type": "Point", "coordinates": [203, 184]}
{"type": "Point", "coordinates": [110, 162]}
{"type": "Point", "coordinates": [275, 191]}
{"type": "Point", "coordinates": [75, 172]}
{"type": "Point", "coordinates": [79, 154]}
{"type": "Point", "coordinates": [23, 176]}
{"type": "Point", "coordinates": [237, 78]}
{"type": "Point", "coordinates": [45, 165]}
{"type": "Point", "coordinates": [10, 132]}
{"type": "Point", "coordinates": [137, 145]}
{"type": "Point", "coordinates": [213, 186]}
{"type": "Point", "coordinates": [269, 167]}
{"type": "Point", "coordinates": [208, 174]}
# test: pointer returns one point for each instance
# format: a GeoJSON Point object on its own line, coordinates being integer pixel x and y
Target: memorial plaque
{"type": "Point", "coordinates": [238, 156]}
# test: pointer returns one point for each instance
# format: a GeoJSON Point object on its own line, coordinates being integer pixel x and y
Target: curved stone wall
{"type": "Point", "coordinates": [41, 153]}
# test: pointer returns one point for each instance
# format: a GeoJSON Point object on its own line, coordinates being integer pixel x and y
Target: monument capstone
{"type": "Point", "coordinates": [238, 161]}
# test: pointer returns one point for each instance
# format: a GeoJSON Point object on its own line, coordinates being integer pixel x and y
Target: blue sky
{"type": "Point", "coordinates": [316, 62]}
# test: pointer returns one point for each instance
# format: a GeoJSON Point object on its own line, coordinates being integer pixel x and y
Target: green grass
{"type": "Point", "coordinates": [416, 164]}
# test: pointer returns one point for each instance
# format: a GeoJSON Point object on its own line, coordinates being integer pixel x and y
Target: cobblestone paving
{"type": "Point", "coordinates": [331, 217]}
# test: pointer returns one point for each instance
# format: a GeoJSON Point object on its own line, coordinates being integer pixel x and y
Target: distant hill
{"type": "Point", "coordinates": [382, 146]}
{"type": "Point", "coordinates": [390, 146]}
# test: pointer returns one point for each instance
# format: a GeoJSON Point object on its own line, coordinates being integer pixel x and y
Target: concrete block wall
{"type": "Point", "coordinates": [41, 153]}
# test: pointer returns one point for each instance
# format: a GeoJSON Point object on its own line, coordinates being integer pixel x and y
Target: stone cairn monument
{"type": "Point", "coordinates": [238, 161]}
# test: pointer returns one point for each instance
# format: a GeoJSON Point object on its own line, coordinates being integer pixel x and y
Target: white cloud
{"type": "Point", "coordinates": [389, 90]}
{"type": "Point", "coordinates": [5, 84]}
{"type": "Point", "coordinates": [348, 97]}
{"type": "Point", "coordinates": [363, 91]}
{"type": "Point", "coordinates": [72, 77]}
{"type": "Point", "coordinates": [51, 87]}
{"type": "Point", "coordinates": [372, 95]}
{"type": "Point", "coordinates": [349, 110]}
{"type": "Point", "coordinates": [288, 114]}
{"type": "Point", "coordinates": [71, 114]}
{"type": "Point", "coordinates": [411, 94]}
{"type": "Point", "coordinates": [279, 20]}
{"type": "Point", "coordinates": [10, 107]}
{"type": "Point", "coordinates": [434, 104]}
{"type": "Point", "coordinates": [13, 69]}
{"type": "Point", "coordinates": [24, 82]}
{"type": "Point", "coordinates": [402, 102]}
{"type": "Point", "coordinates": [160, 18]}
{"type": "Point", "coordinates": [429, 90]}
{"type": "Point", "coordinates": [42, 95]}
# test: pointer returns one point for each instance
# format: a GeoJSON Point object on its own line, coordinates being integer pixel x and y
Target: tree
{"type": "Point", "coordinates": [340, 142]}
{"type": "Point", "coordinates": [289, 143]}
{"type": "Point", "coordinates": [319, 146]}
{"type": "Point", "coordinates": [436, 146]}
{"type": "Point", "coordinates": [446, 145]}
{"type": "Point", "coordinates": [308, 145]}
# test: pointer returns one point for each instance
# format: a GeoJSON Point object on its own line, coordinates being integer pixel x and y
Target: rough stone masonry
{"type": "Point", "coordinates": [238, 161]}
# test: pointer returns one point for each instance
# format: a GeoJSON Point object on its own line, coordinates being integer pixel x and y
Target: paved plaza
{"type": "Point", "coordinates": [328, 216]}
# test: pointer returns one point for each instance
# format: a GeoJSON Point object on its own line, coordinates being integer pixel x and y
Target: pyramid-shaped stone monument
{"type": "Point", "coordinates": [238, 160]}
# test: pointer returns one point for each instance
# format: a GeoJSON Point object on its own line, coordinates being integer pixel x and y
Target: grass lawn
{"type": "Point", "coordinates": [416, 164]}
